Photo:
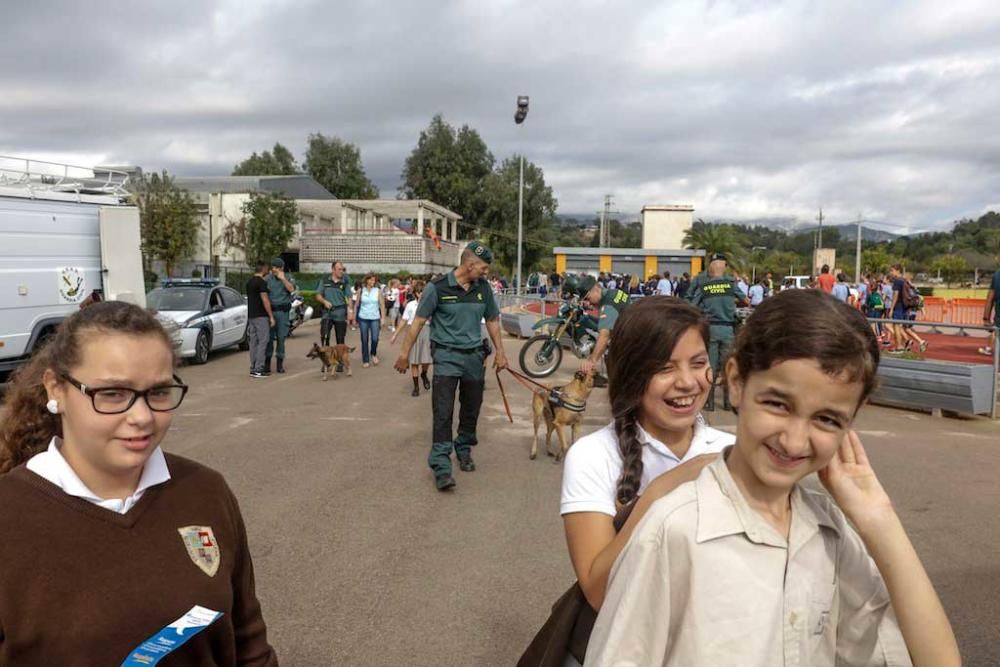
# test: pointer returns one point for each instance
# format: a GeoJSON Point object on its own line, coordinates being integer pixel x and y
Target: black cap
{"type": "Point", "coordinates": [717, 256]}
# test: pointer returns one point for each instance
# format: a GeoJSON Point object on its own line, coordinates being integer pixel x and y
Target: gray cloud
{"type": "Point", "coordinates": [744, 109]}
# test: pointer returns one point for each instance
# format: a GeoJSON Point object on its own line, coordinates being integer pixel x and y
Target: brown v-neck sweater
{"type": "Point", "coordinates": [81, 585]}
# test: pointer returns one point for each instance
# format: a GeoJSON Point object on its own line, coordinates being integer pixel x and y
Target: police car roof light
{"type": "Point", "coordinates": [189, 282]}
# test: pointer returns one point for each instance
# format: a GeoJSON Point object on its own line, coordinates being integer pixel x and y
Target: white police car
{"type": "Point", "coordinates": [201, 315]}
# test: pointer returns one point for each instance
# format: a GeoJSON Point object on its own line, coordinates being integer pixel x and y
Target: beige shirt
{"type": "Point", "coordinates": [705, 580]}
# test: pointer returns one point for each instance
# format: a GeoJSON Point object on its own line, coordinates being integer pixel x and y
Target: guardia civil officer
{"type": "Point", "coordinates": [456, 303]}
{"type": "Point", "coordinates": [333, 291]}
{"type": "Point", "coordinates": [280, 286]}
{"type": "Point", "coordinates": [718, 296]}
{"type": "Point", "coordinates": [610, 301]}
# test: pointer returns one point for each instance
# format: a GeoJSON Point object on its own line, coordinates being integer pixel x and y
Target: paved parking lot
{"type": "Point", "coordinates": [360, 561]}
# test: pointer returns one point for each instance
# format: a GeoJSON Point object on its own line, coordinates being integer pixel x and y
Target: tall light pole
{"type": "Point", "coordinates": [857, 260]}
{"type": "Point", "coordinates": [519, 116]}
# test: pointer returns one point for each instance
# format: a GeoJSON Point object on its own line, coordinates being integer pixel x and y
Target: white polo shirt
{"type": "Point", "coordinates": [51, 466]}
{"type": "Point", "coordinates": [594, 465]}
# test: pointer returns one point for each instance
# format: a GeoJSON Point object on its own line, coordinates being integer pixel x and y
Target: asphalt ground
{"type": "Point", "coordinates": [359, 561]}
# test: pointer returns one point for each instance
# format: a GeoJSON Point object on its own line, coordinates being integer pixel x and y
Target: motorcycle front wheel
{"type": "Point", "coordinates": [540, 356]}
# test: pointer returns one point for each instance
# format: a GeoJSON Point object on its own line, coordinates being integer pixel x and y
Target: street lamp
{"type": "Point", "coordinates": [753, 250]}
{"type": "Point", "coordinates": [519, 116]}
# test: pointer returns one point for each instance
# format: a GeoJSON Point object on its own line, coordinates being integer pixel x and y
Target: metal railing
{"type": "Point", "coordinates": [962, 328]}
{"type": "Point", "coordinates": [38, 177]}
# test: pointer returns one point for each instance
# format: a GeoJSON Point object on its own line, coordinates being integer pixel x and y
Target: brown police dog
{"type": "Point", "coordinates": [330, 355]}
{"type": "Point", "coordinates": [576, 392]}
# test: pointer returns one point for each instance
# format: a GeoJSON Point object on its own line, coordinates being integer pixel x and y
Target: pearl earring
{"type": "Point", "coordinates": [52, 406]}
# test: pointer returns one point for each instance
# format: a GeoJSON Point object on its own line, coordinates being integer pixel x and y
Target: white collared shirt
{"type": "Point", "coordinates": [706, 580]}
{"type": "Point", "coordinates": [51, 466]}
{"type": "Point", "coordinates": [594, 465]}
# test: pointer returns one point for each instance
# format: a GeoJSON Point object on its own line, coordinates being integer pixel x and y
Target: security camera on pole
{"type": "Point", "coordinates": [519, 116]}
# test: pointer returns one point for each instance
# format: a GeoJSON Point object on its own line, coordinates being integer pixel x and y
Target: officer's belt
{"type": "Point", "coordinates": [281, 307]}
{"type": "Point", "coordinates": [464, 350]}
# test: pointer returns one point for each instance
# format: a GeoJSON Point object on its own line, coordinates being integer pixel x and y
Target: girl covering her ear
{"type": "Point", "coordinates": [745, 565]}
{"type": "Point", "coordinates": [107, 540]}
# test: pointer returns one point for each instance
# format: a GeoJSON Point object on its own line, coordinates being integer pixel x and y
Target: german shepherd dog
{"type": "Point", "coordinates": [330, 355]}
{"type": "Point", "coordinates": [557, 417]}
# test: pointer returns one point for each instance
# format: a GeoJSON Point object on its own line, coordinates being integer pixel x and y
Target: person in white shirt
{"type": "Point", "coordinates": [664, 287]}
{"type": "Point", "coordinates": [757, 292]}
{"type": "Point", "coordinates": [745, 565]}
{"type": "Point", "coordinates": [659, 377]}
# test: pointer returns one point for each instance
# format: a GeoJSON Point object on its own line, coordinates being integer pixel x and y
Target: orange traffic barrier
{"type": "Point", "coordinates": [935, 310]}
{"type": "Point", "coordinates": [966, 311]}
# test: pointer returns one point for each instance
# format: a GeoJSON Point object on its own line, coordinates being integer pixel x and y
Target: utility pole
{"type": "Point", "coordinates": [857, 260]}
{"type": "Point", "coordinates": [604, 235]}
{"type": "Point", "coordinates": [819, 241]}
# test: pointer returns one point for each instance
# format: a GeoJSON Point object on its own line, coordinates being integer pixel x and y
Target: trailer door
{"type": "Point", "coordinates": [121, 255]}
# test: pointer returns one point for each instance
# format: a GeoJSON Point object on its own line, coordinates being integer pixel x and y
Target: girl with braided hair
{"type": "Point", "coordinates": [659, 377]}
{"type": "Point", "coordinates": [108, 540]}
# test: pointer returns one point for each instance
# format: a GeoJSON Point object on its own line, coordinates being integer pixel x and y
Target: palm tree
{"type": "Point", "coordinates": [714, 238]}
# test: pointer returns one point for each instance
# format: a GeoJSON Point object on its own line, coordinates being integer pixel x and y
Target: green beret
{"type": "Point", "coordinates": [586, 284]}
{"type": "Point", "coordinates": [480, 251]}
{"type": "Point", "coordinates": [278, 263]}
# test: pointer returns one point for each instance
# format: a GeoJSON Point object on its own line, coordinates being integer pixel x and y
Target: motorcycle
{"type": "Point", "coordinates": [542, 354]}
{"type": "Point", "coordinates": [299, 312]}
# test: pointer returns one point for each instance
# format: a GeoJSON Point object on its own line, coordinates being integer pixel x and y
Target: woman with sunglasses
{"type": "Point", "coordinates": [115, 553]}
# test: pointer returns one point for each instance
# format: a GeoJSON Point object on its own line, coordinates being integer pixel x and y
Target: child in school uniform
{"type": "Point", "coordinates": [420, 353]}
{"type": "Point", "coordinates": [745, 565]}
{"type": "Point", "coordinates": [114, 551]}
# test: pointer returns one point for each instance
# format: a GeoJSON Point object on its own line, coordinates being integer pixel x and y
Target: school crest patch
{"type": "Point", "coordinates": [202, 547]}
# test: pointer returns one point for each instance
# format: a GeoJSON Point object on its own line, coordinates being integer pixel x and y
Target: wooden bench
{"type": "Point", "coordinates": [935, 385]}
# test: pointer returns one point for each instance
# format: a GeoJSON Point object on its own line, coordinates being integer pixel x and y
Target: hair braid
{"type": "Point", "coordinates": [627, 430]}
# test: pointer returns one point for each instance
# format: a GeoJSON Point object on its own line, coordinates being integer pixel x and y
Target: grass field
{"type": "Point", "coordinates": [960, 292]}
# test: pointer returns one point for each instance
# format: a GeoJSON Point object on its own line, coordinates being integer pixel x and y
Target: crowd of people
{"type": "Point", "coordinates": [674, 529]}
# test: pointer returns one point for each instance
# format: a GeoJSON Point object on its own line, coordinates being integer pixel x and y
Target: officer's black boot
{"type": "Point", "coordinates": [710, 403]}
{"type": "Point", "coordinates": [281, 365]}
{"type": "Point", "coordinates": [267, 366]}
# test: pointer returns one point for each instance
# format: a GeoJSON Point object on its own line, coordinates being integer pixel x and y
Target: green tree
{"type": "Point", "coordinates": [450, 168]}
{"type": "Point", "coordinates": [278, 162]}
{"type": "Point", "coordinates": [877, 259]}
{"type": "Point", "coordinates": [336, 165]}
{"type": "Point", "coordinates": [499, 219]}
{"type": "Point", "coordinates": [714, 238]}
{"type": "Point", "coordinates": [168, 220]}
{"type": "Point", "coordinates": [265, 229]}
{"type": "Point", "coordinates": [951, 267]}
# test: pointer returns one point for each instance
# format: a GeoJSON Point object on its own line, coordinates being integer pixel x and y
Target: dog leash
{"type": "Point", "coordinates": [550, 392]}
{"type": "Point", "coordinates": [503, 394]}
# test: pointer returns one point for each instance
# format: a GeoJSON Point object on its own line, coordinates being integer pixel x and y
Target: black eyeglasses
{"type": "Point", "coordinates": [116, 400]}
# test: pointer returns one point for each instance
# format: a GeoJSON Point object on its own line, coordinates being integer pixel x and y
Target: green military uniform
{"type": "Point", "coordinates": [717, 297]}
{"type": "Point", "coordinates": [281, 306]}
{"type": "Point", "coordinates": [611, 305]}
{"type": "Point", "coordinates": [457, 349]}
{"type": "Point", "coordinates": [335, 317]}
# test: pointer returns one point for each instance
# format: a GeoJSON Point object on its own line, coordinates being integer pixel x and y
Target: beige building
{"type": "Point", "coordinates": [380, 235]}
{"type": "Point", "coordinates": [664, 225]}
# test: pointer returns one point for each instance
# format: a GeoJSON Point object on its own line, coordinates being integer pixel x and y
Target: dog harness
{"type": "Point", "coordinates": [557, 400]}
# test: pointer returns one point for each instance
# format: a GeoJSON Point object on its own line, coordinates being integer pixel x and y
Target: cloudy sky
{"type": "Point", "coordinates": [745, 108]}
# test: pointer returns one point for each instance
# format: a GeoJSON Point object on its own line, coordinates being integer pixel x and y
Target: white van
{"type": "Point", "coordinates": [65, 233]}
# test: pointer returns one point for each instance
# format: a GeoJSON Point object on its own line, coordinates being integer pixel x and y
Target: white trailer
{"type": "Point", "coordinates": [65, 232]}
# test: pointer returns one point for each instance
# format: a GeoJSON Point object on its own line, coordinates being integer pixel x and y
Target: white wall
{"type": "Point", "coordinates": [665, 229]}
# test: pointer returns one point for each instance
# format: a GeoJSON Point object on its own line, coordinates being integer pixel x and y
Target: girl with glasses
{"type": "Point", "coordinates": [109, 540]}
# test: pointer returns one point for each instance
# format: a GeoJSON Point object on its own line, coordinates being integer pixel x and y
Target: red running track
{"type": "Point", "coordinates": [943, 347]}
